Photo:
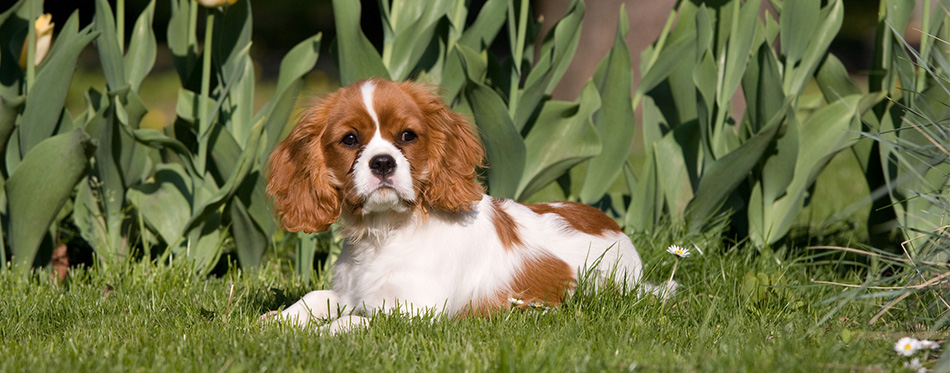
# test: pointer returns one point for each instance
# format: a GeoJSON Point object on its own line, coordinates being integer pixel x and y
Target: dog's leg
{"type": "Point", "coordinates": [316, 305]}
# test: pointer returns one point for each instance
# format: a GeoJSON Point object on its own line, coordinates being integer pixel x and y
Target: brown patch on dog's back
{"type": "Point", "coordinates": [505, 225]}
{"type": "Point", "coordinates": [579, 216]}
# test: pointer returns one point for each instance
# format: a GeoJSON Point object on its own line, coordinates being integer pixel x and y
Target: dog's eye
{"type": "Point", "coordinates": [349, 140]}
{"type": "Point", "coordinates": [407, 136]}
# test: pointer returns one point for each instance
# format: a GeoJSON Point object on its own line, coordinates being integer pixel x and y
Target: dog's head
{"type": "Point", "coordinates": [374, 147]}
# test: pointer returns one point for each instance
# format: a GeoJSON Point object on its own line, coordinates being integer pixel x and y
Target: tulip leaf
{"type": "Point", "coordinates": [557, 51]}
{"type": "Point", "coordinates": [232, 38]}
{"type": "Point", "coordinates": [563, 137]}
{"type": "Point", "coordinates": [356, 56]}
{"type": "Point", "coordinates": [614, 121]}
{"type": "Point", "coordinates": [249, 241]}
{"type": "Point", "coordinates": [165, 203]}
{"type": "Point", "coordinates": [110, 53]}
{"type": "Point", "coordinates": [45, 101]}
{"type": "Point", "coordinates": [37, 191]}
{"type": "Point", "coordinates": [503, 144]}
{"type": "Point", "coordinates": [140, 58]}
{"type": "Point", "coordinates": [182, 40]}
{"type": "Point", "coordinates": [276, 112]}
{"type": "Point", "coordinates": [723, 175]}
{"type": "Point", "coordinates": [409, 28]}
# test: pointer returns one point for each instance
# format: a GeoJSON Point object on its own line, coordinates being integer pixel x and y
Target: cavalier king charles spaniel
{"type": "Point", "coordinates": [398, 168]}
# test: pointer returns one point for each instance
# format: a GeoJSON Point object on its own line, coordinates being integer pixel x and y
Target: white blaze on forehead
{"type": "Point", "coordinates": [367, 89]}
{"type": "Point", "coordinates": [367, 184]}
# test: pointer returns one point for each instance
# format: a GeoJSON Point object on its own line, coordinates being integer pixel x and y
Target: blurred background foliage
{"type": "Point", "coordinates": [779, 120]}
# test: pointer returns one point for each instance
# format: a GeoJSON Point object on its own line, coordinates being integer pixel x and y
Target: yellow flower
{"type": "Point", "coordinates": [44, 38]}
{"type": "Point", "coordinates": [216, 3]}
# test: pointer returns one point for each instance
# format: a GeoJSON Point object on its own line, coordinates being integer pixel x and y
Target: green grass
{"type": "Point", "coordinates": [163, 318]}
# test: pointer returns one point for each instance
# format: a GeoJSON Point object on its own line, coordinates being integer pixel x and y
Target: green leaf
{"type": "Point", "coordinates": [480, 34]}
{"type": "Point", "coordinates": [503, 144]}
{"type": "Point", "coordinates": [356, 56]}
{"type": "Point", "coordinates": [737, 54]}
{"type": "Point", "coordinates": [830, 130]}
{"type": "Point", "coordinates": [37, 191]}
{"type": "Point", "coordinates": [646, 203]}
{"type": "Point", "coordinates": [110, 54]}
{"type": "Point", "coordinates": [157, 139]}
{"type": "Point", "coordinates": [276, 112]}
{"type": "Point", "coordinates": [44, 104]}
{"type": "Point", "coordinates": [232, 38]}
{"type": "Point", "coordinates": [614, 121]}
{"type": "Point", "coordinates": [676, 157]}
{"type": "Point", "coordinates": [410, 28]}
{"type": "Point", "coordinates": [563, 137]}
{"type": "Point", "coordinates": [182, 40]}
{"type": "Point", "coordinates": [798, 22]}
{"type": "Point", "coordinates": [834, 81]}
{"type": "Point", "coordinates": [797, 75]}
{"type": "Point", "coordinates": [249, 241]}
{"type": "Point", "coordinates": [557, 52]}
{"type": "Point", "coordinates": [165, 202]}
{"type": "Point", "coordinates": [140, 58]}
{"type": "Point", "coordinates": [762, 88]}
{"type": "Point", "coordinates": [723, 175]}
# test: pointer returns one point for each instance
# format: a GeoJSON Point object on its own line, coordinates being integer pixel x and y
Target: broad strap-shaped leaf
{"type": "Point", "coordinates": [37, 190]}
{"type": "Point", "coordinates": [44, 104]}
{"type": "Point", "coordinates": [831, 129]}
{"type": "Point", "coordinates": [646, 202]}
{"type": "Point", "coordinates": [165, 202]}
{"type": "Point", "coordinates": [276, 112]}
{"type": "Point", "coordinates": [723, 175]}
{"type": "Point", "coordinates": [232, 38]}
{"type": "Point", "coordinates": [110, 53]}
{"type": "Point", "coordinates": [762, 88]}
{"type": "Point", "coordinates": [182, 40]}
{"type": "Point", "coordinates": [614, 121]}
{"type": "Point", "coordinates": [503, 144]}
{"type": "Point", "coordinates": [140, 57]}
{"type": "Point", "coordinates": [249, 240]}
{"type": "Point", "coordinates": [563, 137]}
{"type": "Point", "coordinates": [798, 74]}
{"type": "Point", "coordinates": [409, 29]}
{"type": "Point", "coordinates": [677, 162]}
{"type": "Point", "coordinates": [356, 56]}
{"type": "Point", "coordinates": [557, 52]}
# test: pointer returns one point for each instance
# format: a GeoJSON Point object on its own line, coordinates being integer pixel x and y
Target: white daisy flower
{"type": "Point", "coordinates": [679, 251]}
{"type": "Point", "coordinates": [907, 346]}
{"type": "Point", "coordinates": [929, 344]}
{"type": "Point", "coordinates": [515, 301]}
{"type": "Point", "coordinates": [915, 365]}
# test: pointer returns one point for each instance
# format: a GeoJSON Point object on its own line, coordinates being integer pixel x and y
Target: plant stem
{"type": "Point", "coordinates": [666, 288]}
{"type": "Point", "coordinates": [202, 117]}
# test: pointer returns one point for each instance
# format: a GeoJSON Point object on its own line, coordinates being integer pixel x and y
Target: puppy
{"type": "Point", "coordinates": [398, 169]}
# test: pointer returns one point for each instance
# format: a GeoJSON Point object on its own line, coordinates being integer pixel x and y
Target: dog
{"type": "Point", "coordinates": [398, 169]}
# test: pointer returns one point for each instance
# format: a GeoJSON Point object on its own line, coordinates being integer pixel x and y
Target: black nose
{"type": "Point", "coordinates": [382, 165]}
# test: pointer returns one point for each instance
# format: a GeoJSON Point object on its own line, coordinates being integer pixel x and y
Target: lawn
{"type": "Point", "coordinates": [163, 318]}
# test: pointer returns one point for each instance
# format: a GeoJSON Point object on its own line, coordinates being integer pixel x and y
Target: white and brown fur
{"type": "Point", "coordinates": [398, 168]}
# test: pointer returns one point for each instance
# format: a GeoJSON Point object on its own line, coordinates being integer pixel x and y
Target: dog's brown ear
{"type": "Point", "coordinates": [455, 153]}
{"type": "Point", "coordinates": [299, 184]}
